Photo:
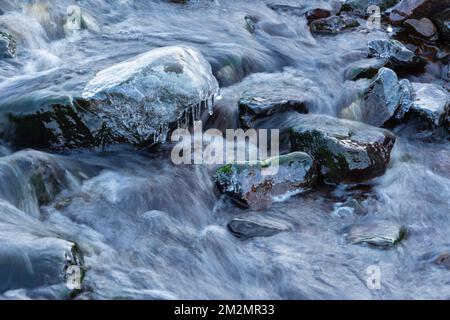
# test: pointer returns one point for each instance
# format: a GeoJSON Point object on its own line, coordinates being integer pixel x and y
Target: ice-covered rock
{"type": "Point", "coordinates": [431, 103]}
{"type": "Point", "coordinates": [7, 46]}
{"type": "Point", "coordinates": [140, 98]}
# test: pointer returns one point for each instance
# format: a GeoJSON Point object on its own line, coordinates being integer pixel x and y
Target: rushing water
{"type": "Point", "coordinates": [150, 229]}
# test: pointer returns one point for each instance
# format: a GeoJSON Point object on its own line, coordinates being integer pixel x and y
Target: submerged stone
{"type": "Point", "coordinates": [258, 184]}
{"type": "Point", "coordinates": [251, 228]}
{"type": "Point", "coordinates": [431, 103]}
{"type": "Point", "coordinates": [344, 150]}
{"type": "Point", "coordinates": [385, 97]}
{"type": "Point", "coordinates": [379, 234]}
{"type": "Point", "coordinates": [361, 6]}
{"type": "Point", "coordinates": [417, 9]}
{"type": "Point", "coordinates": [393, 51]}
{"type": "Point", "coordinates": [442, 21]}
{"type": "Point", "coordinates": [7, 46]}
{"type": "Point", "coordinates": [140, 98]}
{"type": "Point", "coordinates": [29, 262]}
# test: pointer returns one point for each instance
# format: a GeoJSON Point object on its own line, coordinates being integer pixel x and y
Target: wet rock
{"type": "Point", "coordinates": [29, 262]}
{"type": "Point", "coordinates": [361, 6]}
{"type": "Point", "coordinates": [417, 9]}
{"type": "Point", "coordinates": [139, 99]}
{"type": "Point", "coordinates": [258, 184]}
{"type": "Point", "coordinates": [56, 126]}
{"type": "Point", "coordinates": [348, 208]}
{"type": "Point", "coordinates": [7, 46]}
{"type": "Point", "coordinates": [395, 52]}
{"type": "Point", "coordinates": [255, 105]}
{"type": "Point", "coordinates": [317, 13]}
{"type": "Point", "coordinates": [332, 25]}
{"type": "Point", "coordinates": [431, 103]}
{"type": "Point", "coordinates": [78, 20]}
{"type": "Point", "coordinates": [384, 97]}
{"type": "Point", "coordinates": [443, 260]}
{"type": "Point", "coordinates": [287, 9]}
{"type": "Point", "coordinates": [442, 21]}
{"type": "Point", "coordinates": [367, 68]}
{"type": "Point", "coordinates": [251, 228]}
{"type": "Point", "coordinates": [344, 150]}
{"type": "Point", "coordinates": [422, 28]}
{"type": "Point", "coordinates": [379, 234]}
{"type": "Point", "coordinates": [272, 28]}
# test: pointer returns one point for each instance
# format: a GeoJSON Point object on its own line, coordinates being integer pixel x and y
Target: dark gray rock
{"type": "Point", "coordinates": [255, 105]}
{"type": "Point", "coordinates": [431, 103]}
{"type": "Point", "coordinates": [385, 97]}
{"type": "Point", "coordinates": [332, 25]}
{"type": "Point", "coordinates": [379, 234]}
{"type": "Point", "coordinates": [140, 98]}
{"type": "Point", "coordinates": [344, 150]}
{"type": "Point", "coordinates": [361, 6]}
{"type": "Point", "coordinates": [442, 22]}
{"type": "Point", "coordinates": [251, 228]}
{"type": "Point", "coordinates": [7, 46]}
{"type": "Point", "coordinates": [367, 68]}
{"type": "Point", "coordinates": [395, 52]}
{"type": "Point", "coordinates": [258, 184]}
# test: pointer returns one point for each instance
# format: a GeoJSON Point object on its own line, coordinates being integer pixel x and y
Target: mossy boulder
{"type": "Point", "coordinates": [257, 184]}
{"type": "Point", "coordinates": [345, 150]}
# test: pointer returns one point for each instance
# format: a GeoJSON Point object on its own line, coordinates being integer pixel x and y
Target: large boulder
{"type": "Point", "coordinates": [417, 9]}
{"type": "Point", "coordinates": [431, 103]}
{"type": "Point", "coordinates": [258, 184]}
{"type": "Point", "coordinates": [394, 52]}
{"type": "Point", "coordinates": [345, 150]}
{"type": "Point", "coordinates": [54, 123]}
{"type": "Point", "coordinates": [7, 46]}
{"type": "Point", "coordinates": [139, 99]}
